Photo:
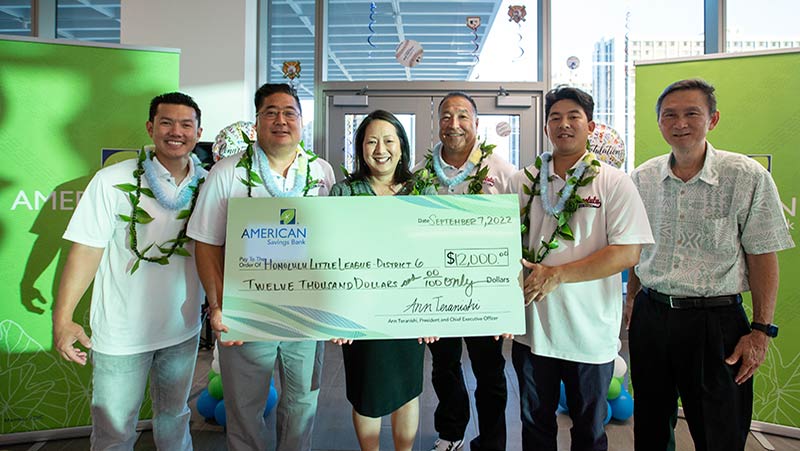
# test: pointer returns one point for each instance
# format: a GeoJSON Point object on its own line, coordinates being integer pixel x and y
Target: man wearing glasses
{"type": "Point", "coordinates": [285, 169]}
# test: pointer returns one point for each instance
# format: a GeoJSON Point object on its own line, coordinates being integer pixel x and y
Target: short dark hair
{"type": "Point", "coordinates": [569, 93]}
{"type": "Point", "coordinates": [268, 89]}
{"type": "Point", "coordinates": [690, 83]}
{"type": "Point", "coordinates": [402, 173]}
{"type": "Point", "coordinates": [173, 98]}
{"type": "Point", "coordinates": [459, 94]}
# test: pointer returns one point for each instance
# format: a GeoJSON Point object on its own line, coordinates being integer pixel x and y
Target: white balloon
{"type": "Point", "coordinates": [619, 345]}
{"type": "Point", "coordinates": [215, 360]}
{"type": "Point", "coordinates": [620, 367]}
{"type": "Point", "coordinates": [606, 143]}
{"type": "Point", "coordinates": [230, 140]}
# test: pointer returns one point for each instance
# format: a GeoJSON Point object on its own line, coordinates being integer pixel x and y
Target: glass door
{"type": "Point", "coordinates": [511, 125]}
{"type": "Point", "coordinates": [510, 128]}
{"type": "Point", "coordinates": [346, 112]}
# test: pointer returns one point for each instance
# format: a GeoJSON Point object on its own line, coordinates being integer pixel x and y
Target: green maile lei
{"type": "Point", "coordinates": [140, 216]}
{"type": "Point", "coordinates": [571, 204]}
{"type": "Point", "coordinates": [426, 176]}
{"type": "Point", "coordinates": [253, 179]}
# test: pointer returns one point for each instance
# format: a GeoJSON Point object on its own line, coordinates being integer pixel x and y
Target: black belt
{"type": "Point", "coordinates": [692, 303]}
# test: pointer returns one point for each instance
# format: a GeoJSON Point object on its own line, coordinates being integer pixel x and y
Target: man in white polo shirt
{"type": "Point", "coordinates": [285, 170]}
{"type": "Point", "coordinates": [129, 235]}
{"type": "Point", "coordinates": [584, 223]}
{"type": "Point", "coordinates": [460, 164]}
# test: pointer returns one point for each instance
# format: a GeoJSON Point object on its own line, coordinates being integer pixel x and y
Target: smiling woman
{"type": "Point", "coordinates": [382, 376]}
{"type": "Point", "coordinates": [382, 158]}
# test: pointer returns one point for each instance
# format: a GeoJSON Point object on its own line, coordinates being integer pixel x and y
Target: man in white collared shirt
{"type": "Point", "coordinates": [573, 287]}
{"type": "Point", "coordinates": [285, 170]}
{"type": "Point", "coordinates": [460, 165]}
{"type": "Point", "coordinates": [128, 234]}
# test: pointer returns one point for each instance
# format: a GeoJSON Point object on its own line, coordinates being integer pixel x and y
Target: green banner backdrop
{"type": "Point", "coordinates": [60, 104]}
{"type": "Point", "coordinates": [757, 97]}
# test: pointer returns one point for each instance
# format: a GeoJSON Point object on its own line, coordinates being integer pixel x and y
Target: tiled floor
{"type": "Point", "coordinates": [334, 431]}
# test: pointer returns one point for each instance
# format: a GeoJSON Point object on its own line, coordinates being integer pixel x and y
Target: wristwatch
{"type": "Point", "coordinates": [770, 329]}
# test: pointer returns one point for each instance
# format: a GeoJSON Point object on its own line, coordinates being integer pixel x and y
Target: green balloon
{"type": "Point", "coordinates": [212, 374]}
{"type": "Point", "coordinates": [614, 389]}
{"type": "Point", "coordinates": [215, 387]}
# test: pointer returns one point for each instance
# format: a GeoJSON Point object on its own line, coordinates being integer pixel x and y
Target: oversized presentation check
{"type": "Point", "coordinates": [372, 267]}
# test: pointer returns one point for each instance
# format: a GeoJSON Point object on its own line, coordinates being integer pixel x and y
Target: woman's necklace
{"type": "Point", "coordinates": [382, 189]}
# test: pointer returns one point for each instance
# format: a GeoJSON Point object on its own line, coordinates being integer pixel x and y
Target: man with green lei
{"type": "Point", "coordinates": [129, 235]}
{"type": "Point", "coordinates": [583, 223]}
{"type": "Point", "coordinates": [275, 166]}
{"type": "Point", "coordinates": [459, 164]}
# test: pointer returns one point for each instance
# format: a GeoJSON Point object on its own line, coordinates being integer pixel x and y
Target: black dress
{"type": "Point", "coordinates": [381, 375]}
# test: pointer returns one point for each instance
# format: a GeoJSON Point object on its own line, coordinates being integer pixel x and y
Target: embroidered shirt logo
{"type": "Point", "coordinates": [591, 201]}
{"type": "Point", "coordinates": [489, 181]}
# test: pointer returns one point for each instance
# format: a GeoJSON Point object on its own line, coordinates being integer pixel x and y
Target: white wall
{"type": "Point", "coordinates": [217, 40]}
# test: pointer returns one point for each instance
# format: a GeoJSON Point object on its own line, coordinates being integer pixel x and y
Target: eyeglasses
{"type": "Point", "coordinates": [289, 115]}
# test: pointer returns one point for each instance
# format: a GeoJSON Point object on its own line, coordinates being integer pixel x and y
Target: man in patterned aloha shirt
{"type": "Point", "coordinates": [717, 221]}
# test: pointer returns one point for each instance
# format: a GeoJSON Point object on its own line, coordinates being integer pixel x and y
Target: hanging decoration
{"type": "Point", "coordinates": [473, 23]}
{"type": "Point", "coordinates": [503, 129]}
{"type": "Point", "coordinates": [517, 13]}
{"type": "Point", "coordinates": [573, 62]}
{"type": "Point", "coordinates": [291, 70]}
{"type": "Point", "coordinates": [409, 53]}
{"type": "Point", "coordinates": [606, 143]}
{"type": "Point", "coordinates": [372, 8]}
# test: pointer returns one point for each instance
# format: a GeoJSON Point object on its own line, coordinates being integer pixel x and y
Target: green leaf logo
{"type": "Point", "coordinates": [288, 216]}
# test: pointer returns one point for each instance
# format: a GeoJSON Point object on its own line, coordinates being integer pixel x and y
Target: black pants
{"type": "Point", "coordinates": [452, 413]}
{"type": "Point", "coordinates": [681, 352]}
{"type": "Point", "coordinates": [586, 386]}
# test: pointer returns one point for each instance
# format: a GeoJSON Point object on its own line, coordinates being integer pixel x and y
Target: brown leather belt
{"type": "Point", "coordinates": [676, 302]}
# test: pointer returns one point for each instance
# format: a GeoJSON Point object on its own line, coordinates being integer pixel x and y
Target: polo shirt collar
{"type": "Point", "coordinates": [552, 164]}
{"type": "Point", "coordinates": [449, 166]}
{"type": "Point", "coordinates": [164, 174]}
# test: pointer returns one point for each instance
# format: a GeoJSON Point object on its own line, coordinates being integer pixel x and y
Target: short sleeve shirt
{"type": "Point", "coordinates": [209, 220]}
{"type": "Point", "coordinates": [496, 181]}
{"type": "Point", "coordinates": [580, 321]}
{"type": "Point", "coordinates": [158, 305]}
{"type": "Point", "coordinates": [705, 226]}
